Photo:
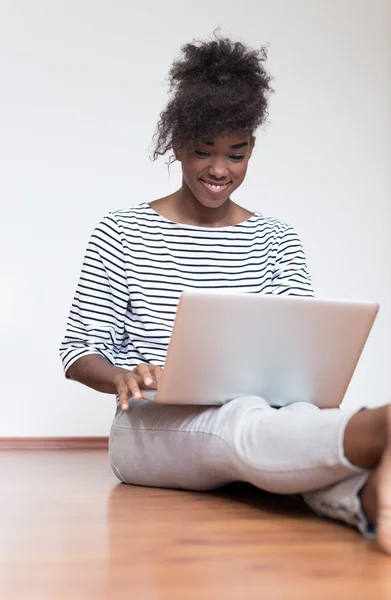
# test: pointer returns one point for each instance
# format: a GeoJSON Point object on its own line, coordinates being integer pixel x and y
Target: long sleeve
{"type": "Point", "coordinates": [291, 276]}
{"type": "Point", "coordinates": [96, 320]}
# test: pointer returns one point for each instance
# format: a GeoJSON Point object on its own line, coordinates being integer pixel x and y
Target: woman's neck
{"type": "Point", "coordinates": [189, 210]}
{"type": "Point", "coordinates": [183, 207]}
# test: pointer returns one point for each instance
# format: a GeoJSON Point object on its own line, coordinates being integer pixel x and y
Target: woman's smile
{"type": "Point", "coordinates": [215, 189]}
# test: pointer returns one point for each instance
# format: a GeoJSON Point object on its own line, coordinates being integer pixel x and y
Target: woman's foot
{"type": "Point", "coordinates": [376, 494]}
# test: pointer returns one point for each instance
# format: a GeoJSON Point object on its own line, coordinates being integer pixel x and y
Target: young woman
{"type": "Point", "coordinates": [137, 263]}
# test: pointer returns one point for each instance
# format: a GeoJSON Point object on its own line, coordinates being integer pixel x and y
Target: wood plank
{"type": "Point", "coordinates": [70, 530]}
{"type": "Point", "coordinates": [54, 443]}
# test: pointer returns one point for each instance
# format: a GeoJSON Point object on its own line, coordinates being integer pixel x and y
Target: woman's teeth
{"type": "Point", "coordinates": [215, 187]}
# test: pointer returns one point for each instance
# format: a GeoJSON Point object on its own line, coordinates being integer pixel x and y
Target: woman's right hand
{"type": "Point", "coordinates": [131, 383]}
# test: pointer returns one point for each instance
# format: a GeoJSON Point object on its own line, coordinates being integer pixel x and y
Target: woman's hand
{"type": "Point", "coordinates": [130, 383]}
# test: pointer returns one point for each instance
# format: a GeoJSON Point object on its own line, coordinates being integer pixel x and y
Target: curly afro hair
{"type": "Point", "coordinates": [218, 87]}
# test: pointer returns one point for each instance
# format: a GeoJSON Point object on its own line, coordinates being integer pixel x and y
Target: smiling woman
{"type": "Point", "coordinates": [214, 171]}
{"type": "Point", "coordinates": [137, 264]}
{"type": "Point", "coordinates": [220, 94]}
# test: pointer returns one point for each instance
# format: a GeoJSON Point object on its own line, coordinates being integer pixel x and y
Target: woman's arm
{"type": "Point", "coordinates": [96, 321]}
{"type": "Point", "coordinates": [291, 276]}
{"type": "Point", "coordinates": [96, 372]}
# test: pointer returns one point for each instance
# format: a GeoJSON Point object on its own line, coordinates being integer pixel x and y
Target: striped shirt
{"type": "Point", "coordinates": [137, 263]}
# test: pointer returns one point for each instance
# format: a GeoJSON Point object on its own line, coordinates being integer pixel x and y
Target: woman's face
{"type": "Point", "coordinates": [216, 168]}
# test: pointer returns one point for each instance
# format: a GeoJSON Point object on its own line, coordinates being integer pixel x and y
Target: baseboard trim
{"type": "Point", "coordinates": [54, 443]}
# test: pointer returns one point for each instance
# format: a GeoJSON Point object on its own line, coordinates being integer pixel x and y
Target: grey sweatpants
{"type": "Point", "coordinates": [294, 450]}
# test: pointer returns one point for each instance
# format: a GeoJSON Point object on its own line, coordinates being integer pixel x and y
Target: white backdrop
{"type": "Point", "coordinates": [82, 83]}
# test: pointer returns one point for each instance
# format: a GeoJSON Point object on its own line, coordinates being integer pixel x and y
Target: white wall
{"type": "Point", "coordinates": [82, 83]}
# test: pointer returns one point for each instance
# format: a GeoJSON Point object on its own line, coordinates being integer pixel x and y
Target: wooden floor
{"type": "Point", "coordinates": [69, 530]}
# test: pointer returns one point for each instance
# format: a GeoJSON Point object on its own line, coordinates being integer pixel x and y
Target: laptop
{"type": "Point", "coordinates": [283, 348]}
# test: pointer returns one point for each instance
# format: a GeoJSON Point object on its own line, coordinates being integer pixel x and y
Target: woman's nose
{"type": "Point", "coordinates": [218, 169]}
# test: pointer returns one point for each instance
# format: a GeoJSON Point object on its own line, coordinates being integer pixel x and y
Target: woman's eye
{"type": "Point", "coordinates": [201, 153]}
{"type": "Point", "coordinates": [237, 157]}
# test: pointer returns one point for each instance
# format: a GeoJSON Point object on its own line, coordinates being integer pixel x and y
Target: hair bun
{"type": "Point", "coordinates": [218, 62]}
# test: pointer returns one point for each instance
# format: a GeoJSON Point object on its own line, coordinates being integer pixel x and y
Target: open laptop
{"type": "Point", "coordinates": [283, 348]}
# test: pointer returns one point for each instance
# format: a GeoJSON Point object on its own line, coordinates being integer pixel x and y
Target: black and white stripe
{"type": "Point", "coordinates": [137, 264]}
